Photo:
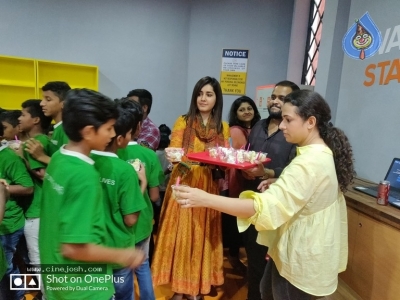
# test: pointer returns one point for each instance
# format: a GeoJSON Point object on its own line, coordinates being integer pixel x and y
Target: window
{"type": "Point", "coordinates": [313, 41]}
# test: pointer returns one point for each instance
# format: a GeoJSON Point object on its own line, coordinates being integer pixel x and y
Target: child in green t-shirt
{"type": "Point", "coordinates": [35, 124]}
{"type": "Point", "coordinates": [72, 221]}
{"type": "Point", "coordinates": [54, 93]}
{"type": "Point", "coordinates": [10, 126]}
{"type": "Point", "coordinates": [144, 226]}
{"type": "Point", "coordinates": [3, 199]}
{"type": "Point", "coordinates": [13, 171]}
{"type": "Point", "coordinates": [122, 195]}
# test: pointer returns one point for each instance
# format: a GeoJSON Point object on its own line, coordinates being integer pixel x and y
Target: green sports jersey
{"type": "Point", "coordinates": [59, 138]}
{"type": "Point", "coordinates": [154, 175]}
{"type": "Point", "coordinates": [72, 212]}
{"type": "Point", "coordinates": [122, 196]}
{"type": "Point", "coordinates": [13, 170]}
{"type": "Point", "coordinates": [33, 210]}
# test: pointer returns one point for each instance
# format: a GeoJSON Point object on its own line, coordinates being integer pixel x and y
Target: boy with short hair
{"type": "Point", "coordinates": [52, 103]}
{"type": "Point", "coordinates": [72, 222]}
{"type": "Point", "coordinates": [13, 171]}
{"type": "Point", "coordinates": [9, 123]}
{"type": "Point", "coordinates": [35, 124]}
{"type": "Point", "coordinates": [122, 195]}
{"type": "Point", "coordinates": [144, 226]}
{"type": "Point", "coordinates": [54, 93]}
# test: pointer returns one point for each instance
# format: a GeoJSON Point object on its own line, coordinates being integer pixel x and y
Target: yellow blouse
{"type": "Point", "coordinates": [302, 218]}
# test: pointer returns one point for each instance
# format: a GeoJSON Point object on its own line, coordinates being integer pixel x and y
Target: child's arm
{"type": "Point", "coordinates": [131, 219]}
{"type": "Point", "coordinates": [19, 190]}
{"type": "Point", "coordinates": [154, 193]}
{"type": "Point", "coordinates": [39, 173]}
{"type": "Point", "coordinates": [35, 148]}
{"type": "Point", "coordinates": [3, 197]}
{"type": "Point", "coordinates": [142, 177]}
{"type": "Point", "coordinates": [129, 257]}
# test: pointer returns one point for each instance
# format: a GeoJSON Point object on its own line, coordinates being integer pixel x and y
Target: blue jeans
{"type": "Point", "coordinates": [10, 242]}
{"type": "Point", "coordinates": [123, 284]}
{"type": "Point", "coordinates": [274, 286]}
{"type": "Point", "coordinates": [143, 273]}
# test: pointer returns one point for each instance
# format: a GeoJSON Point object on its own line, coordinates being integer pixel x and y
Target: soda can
{"type": "Point", "coordinates": [383, 192]}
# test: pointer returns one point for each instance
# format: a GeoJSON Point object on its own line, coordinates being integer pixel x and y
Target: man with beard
{"type": "Point", "coordinates": [266, 137]}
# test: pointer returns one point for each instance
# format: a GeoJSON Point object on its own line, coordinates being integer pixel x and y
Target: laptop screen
{"type": "Point", "coordinates": [393, 174]}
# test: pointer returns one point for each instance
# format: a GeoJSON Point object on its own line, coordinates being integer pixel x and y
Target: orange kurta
{"type": "Point", "coordinates": [188, 252]}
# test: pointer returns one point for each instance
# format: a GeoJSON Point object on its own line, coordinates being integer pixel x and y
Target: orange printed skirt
{"type": "Point", "coordinates": [188, 252]}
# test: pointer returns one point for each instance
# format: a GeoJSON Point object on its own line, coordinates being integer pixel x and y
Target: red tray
{"type": "Point", "coordinates": [204, 157]}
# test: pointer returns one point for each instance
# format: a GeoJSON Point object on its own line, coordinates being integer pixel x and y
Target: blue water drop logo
{"type": "Point", "coordinates": [363, 38]}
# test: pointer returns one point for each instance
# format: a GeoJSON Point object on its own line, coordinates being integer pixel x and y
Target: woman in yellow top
{"type": "Point", "coordinates": [188, 251]}
{"type": "Point", "coordinates": [302, 216]}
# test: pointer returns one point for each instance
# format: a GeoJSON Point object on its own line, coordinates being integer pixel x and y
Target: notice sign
{"type": "Point", "coordinates": [234, 71]}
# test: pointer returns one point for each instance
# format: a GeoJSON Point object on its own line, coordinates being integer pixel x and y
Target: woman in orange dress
{"type": "Point", "coordinates": [188, 252]}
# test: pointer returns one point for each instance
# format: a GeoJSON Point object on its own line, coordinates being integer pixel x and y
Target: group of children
{"type": "Point", "coordinates": [82, 197]}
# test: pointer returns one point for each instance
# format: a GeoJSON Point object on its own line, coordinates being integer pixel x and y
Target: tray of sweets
{"type": "Point", "coordinates": [231, 158]}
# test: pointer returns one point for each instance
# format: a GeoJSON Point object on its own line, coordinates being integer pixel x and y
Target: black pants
{"type": "Point", "coordinates": [275, 287]}
{"type": "Point", "coordinates": [231, 238]}
{"type": "Point", "coordinates": [256, 254]}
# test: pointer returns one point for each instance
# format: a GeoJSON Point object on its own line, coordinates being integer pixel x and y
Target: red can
{"type": "Point", "coordinates": [383, 192]}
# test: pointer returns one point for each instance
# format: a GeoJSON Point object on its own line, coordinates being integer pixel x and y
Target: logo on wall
{"type": "Point", "coordinates": [363, 38]}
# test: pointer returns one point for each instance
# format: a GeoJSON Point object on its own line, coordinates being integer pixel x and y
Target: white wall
{"type": "Point", "coordinates": [263, 27]}
{"type": "Point", "coordinates": [163, 46]}
{"type": "Point", "coordinates": [369, 115]}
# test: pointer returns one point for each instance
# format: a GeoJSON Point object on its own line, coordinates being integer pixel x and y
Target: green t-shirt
{"type": "Point", "coordinates": [122, 196]}
{"type": "Point", "coordinates": [154, 175]}
{"type": "Point", "coordinates": [59, 138]}
{"type": "Point", "coordinates": [34, 208]}
{"type": "Point", "coordinates": [72, 212]}
{"type": "Point", "coordinates": [13, 170]}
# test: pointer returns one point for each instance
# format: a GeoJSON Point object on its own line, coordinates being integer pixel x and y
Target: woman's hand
{"type": "Point", "coordinates": [257, 171]}
{"type": "Point", "coordinates": [189, 197]}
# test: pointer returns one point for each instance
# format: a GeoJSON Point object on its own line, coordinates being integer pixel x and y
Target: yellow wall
{"type": "Point", "coordinates": [23, 78]}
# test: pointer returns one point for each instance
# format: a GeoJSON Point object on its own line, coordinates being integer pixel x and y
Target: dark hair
{"type": "Point", "coordinates": [145, 98]}
{"type": "Point", "coordinates": [10, 116]}
{"type": "Point", "coordinates": [289, 84]}
{"type": "Point", "coordinates": [309, 104]}
{"type": "Point", "coordinates": [35, 110]}
{"type": "Point", "coordinates": [233, 119]}
{"type": "Point", "coordinates": [84, 107]}
{"type": "Point", "coordinates": [216, 113]}
{"type": "Point", "coordinates": [60, 88]}
{"type": "Point", "coordinates": [165, 131]}
{"type": "Point", "coordinates": [130, 114]}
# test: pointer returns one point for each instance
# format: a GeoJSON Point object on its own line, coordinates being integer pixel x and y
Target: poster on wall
{"type": "Point", "coordinates": [262, 94]}
{"type": "Point", "coordinates": [234, 71]}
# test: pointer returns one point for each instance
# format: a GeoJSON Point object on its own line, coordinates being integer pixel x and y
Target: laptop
{"type": "Point", "coordinates": [392, 175]}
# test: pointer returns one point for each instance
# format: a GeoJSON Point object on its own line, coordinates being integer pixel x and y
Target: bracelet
{"type": "Point", "coordinates": [265, 176]}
